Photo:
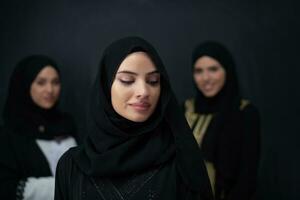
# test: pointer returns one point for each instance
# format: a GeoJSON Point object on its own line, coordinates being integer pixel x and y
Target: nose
{"type": "Point", "coordinates": [205, 76]}
{"type": "Point", "coordinates": [49, 88]}
{"type": "Point", "coordinates": [142, 90]}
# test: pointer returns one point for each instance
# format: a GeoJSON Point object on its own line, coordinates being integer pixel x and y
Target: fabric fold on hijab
{"type": "Point", "coordinates": [22, 115]}
{"type": "Point", "coordinates": [116, 146]}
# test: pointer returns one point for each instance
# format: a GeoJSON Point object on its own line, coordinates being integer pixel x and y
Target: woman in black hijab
{"type": "Point", "coordinates": [226, 127]}
{"type": "Point", "coordinates": [139, 145]}
{"type": "Point", "coordinates": [35, 133]}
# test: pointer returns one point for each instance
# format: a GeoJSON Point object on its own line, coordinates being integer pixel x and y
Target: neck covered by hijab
{"type": "Point", "coordinates": [20, 112]}
{"type": "Point", "coordinates": [116, 146]}
{"type": "Point", "coordinates": [229, 97]}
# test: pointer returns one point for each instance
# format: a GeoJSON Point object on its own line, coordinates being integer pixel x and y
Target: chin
{"type": "Point", "coordinates": [210, 94]}
{"type": "Point", "coordinates": [139, 118]}
{"type": "Point", "coordinates": [47, 107]}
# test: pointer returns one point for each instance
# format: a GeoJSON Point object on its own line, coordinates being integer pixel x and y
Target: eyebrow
{"type": "Point", "coordinates": [133, 73]}
{"type": "Point", "coordinates": [46, 79]}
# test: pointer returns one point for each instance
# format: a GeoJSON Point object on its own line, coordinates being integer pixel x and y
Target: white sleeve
{"type": "Point", "coordinates": [39, 188]}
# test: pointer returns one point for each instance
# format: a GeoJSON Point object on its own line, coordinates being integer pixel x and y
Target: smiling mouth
{"type": "Point", "coordinates": [49, 99]}
{"type": "Point", "coordinates": [208, 87]}
{"type": "Point", "coordinates": [141, 106]}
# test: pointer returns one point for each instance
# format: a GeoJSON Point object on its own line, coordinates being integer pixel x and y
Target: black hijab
{"type": "Point", "coordinates": [116, 146]}
{"type": "Point", "coordinates": [22, 115]}
{"type": "Point", "coordinates": [229, 97]}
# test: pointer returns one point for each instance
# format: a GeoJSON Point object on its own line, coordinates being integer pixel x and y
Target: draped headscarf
{"type": "Point", "coordinates": [116, 146]}
{"type": "Point", "coordinates": [229, 96]}
{"type": "Point", "coordinates": [24, 116]}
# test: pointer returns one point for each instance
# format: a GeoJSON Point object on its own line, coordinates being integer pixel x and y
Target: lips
{"type": "Point", "coordinates": [208, 87]}
{"type": "Point", "coordinates": [143, 106]}
{"type": "Point", "coordinates": [49, 99]}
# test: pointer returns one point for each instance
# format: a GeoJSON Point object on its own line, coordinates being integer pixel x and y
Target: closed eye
{"type": "Point", "coordinates": [213, 68]}
{"type": "Point", "coordinates": [198, 71]}
{"type": "Point", "coordinates": [56, 81]}
{"type": "Point", "coordinates": [153, 79]}
{"type": "Point", "coordinates": [153, 83]}
{"type": "Point", "coordinates": [41, 82]}
{"type": "Point", "coordinates": [126, 82]}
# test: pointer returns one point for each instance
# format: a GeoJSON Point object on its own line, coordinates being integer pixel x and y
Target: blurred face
{"type": "Point", "coordinates": [209, 76]}
{"type": "Point", "coordinates": [136, 88]}
{"type": "Point", "coordinates": [45, 88]}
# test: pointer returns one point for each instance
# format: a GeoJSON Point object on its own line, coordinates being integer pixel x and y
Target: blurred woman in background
{"type": "Point", "coordinates": [35, 133]}
{"type": "Point", "coordinates": [226, 127]}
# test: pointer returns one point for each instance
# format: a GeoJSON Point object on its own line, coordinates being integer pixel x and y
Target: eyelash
{"type": "Point", "coordinates": [153, 83]}
{"type": "Point", "coordinates": [40, 82]}
{"type": "Point", "coordinates": [213, 69]}
{"type": "Point", "coordinates": [126, 82]}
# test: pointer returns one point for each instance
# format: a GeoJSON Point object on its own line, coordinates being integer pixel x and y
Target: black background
{"type": "Point", "coordinates": [262, 35]}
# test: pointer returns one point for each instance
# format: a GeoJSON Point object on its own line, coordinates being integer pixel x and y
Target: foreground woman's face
{"type": "Point", "coordinates": [209, 76]}
{"type": "Point", "coordinates": [45, 88]}
{"type": "Point", "coordinates": [136, 87]}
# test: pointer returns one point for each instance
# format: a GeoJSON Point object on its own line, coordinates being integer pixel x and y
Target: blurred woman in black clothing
{"type": "Point", "coordinates": [35, 133]}
{"type": "Point", "coordinates": [226, 127]}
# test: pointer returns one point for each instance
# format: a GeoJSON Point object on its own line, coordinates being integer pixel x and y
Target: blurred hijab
{"type": "Point", "coordinates": [229, 96]}
{"type": "Point", "coordinates": [22, 115]}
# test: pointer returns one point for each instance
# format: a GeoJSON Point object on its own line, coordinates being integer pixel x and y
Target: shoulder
{"type": "Point", "coordinates": [189, 104]}
{"type": "Point", "coordinates": [251, 118]}
{"type": "Point", "coordinates": [13, 140]}
{"type": "Point", "coordinates": [248, 108]}
{"type": "Point", "coordinates": [189, 101]}
{"type": "Point", "coordinates": [66, 160]}
{"type": "Point", "coordinates": [66, 170]}
{"type": "Point", "coordinates": [9, 140]}
{"type": "Point", "coordinates": [67, 175]}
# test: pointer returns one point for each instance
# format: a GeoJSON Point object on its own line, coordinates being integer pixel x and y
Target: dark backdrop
{"type": "Point", "coordinates": [262, 35]}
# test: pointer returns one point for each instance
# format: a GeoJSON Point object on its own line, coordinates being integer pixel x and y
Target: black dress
{"type": "Point", "coordinates": [233, 166]}
{"type": "Point", "coordinates": [72, 183]}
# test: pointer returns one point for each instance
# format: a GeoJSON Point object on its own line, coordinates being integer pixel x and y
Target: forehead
{"type": "Point", "coordinates": [47, 71]}
{"type": "Point", "coordinates": [137, 61]}
{"type": "Point", "coordinates": [206, 61]}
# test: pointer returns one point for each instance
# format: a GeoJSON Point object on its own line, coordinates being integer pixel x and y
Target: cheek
{"type": "Point", "coordinates": [195, 78]}
{"type": "Point", "coordinates": [57, 90]}
{"type": "Point", "coordinates": [35, 92]}
{"type": "Point", "coordinates": [220, 79]}
{"type": "Point", "coordinates": [119, 95]}
{"type": "Point", "coordinates": [198, 79]}
{"type": "Point", "coordinates": [155, 93]}
{"type": "Point", "coordinates": [36, 96]}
